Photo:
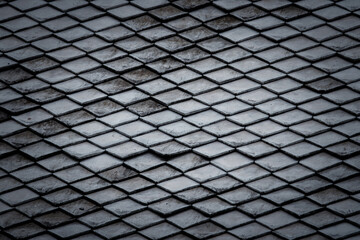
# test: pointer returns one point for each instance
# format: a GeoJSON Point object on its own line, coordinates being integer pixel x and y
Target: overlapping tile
{"type": "Point", "coordinates": [179, 119]}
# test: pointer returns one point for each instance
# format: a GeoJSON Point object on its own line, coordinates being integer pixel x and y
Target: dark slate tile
{"type": "Point", "coordinates": [295, 230]}
{"type": "Point", "coordinates": [143, 219]}
{"type": "Point", "coordinates": [75, 33]}
{"type": "Point", "coordinates": [277, 219]}
{"type": "Point", "coordinates": [33, 33]}
{"type": "Point", "coordinates": [257, 149]}
{"type": "Point", "coordinates": [46, 185]}
{"type": "Point", "coordinates": [134, 185]}
{"type": "Point", "coordinates": [11, 218]}
{"type": "Point", "coordinates": [150, 195]}
{"type": "Point", "coordinates": [141, 23]}
{"type": "Point", "coordinates": [67, 53]}
{"type": "Point", "coordinates": [48, 128]}
{"type": "Point", "coordinates": [25, 230]}
{"type": "Point", "coordinates": [73, 174]}
{"type": "Point", "coordinates": [19, 24]}
{"type": "Point", "coordinates": [194, 194]}
{"type": "Point", "coordinates": [69, 230]}
{"type": "Point", "coordinates": [62, 106]}
{"type": "Point", "coordinates": [91, 44]}
{"type": "Point", "coordinates": [10, 127]}
{"type": "Point", "coordinates": [161, 230]}
{"type": "Point", "coordinates": [340, 230]}
{"type": "Point", "coordinates": [75, 118]}
{"type": "Point", "coordinates": [267, 184]}
{"type": "Point", "coordinates": [39, 150]}
{"type": "Point", "coordinates": [40, 64]}
{"type": "Point", "coordinates": [222, 184]}
{"type": "Point", "coordinates": [78, 207]}
{"type": "Point", "coordinates": [85, 13]}
{"type": "Point", "coordinates": [205, 230]}
{"type": "Point", "coordinates": [146, 107]}
{"type": "Point", "coordinates": [123, 64]}
{"type": "Point", "coordinates": [126, 149]}
{"type": "Point", "coordinates": [35, 207]}
{"type": "Point", "coordinates": [167, 13]}
{"type": "Point", "coordinates": [61, 23]}
{"type": "Point", "coordinates": [81, 65]}
{"type": "Point", "coordinates": [108, 4]}
{"type": "Point", "coordinates": [344, 149]}
{"type": "Point", "coordinates": [240, 138]}
{"type": "Point", "coordinates": [107, 195]}
{"type": "Point", "coordinates": [101, 23]}
{"type": "Point", "coordinates": [18, 196]}
{"type": "Point", "coordinates": [49, 44]}
{"type": "Point", "coordinates": [168, 206]}
{"type": "Point", "coordinates": [183, 23]}
{"type": "Point", "coordinates": [202, 33]}
{"type": "Point", "coordinates": [98, 218]}
{"type": "Point", "coordinates": [22, 139]}
{"type": "Point", "coordinates": [249, 173]}
{"type": "Point", "coordinates": [83, 150]}
{"type": "Point", "coordinates": [11, 43]}
{"type": "Point", "coordinates": [149, 54]}
{"type": "Point", "coordinates": [115, 33]}
{"type": "Point", "coordinates": [125, 12]}
{"type": "Point", "coordinates": [153, 138]}
{"type": "Point", "coordinates": [132, 44]}
{"type": "Point", "coordinates": [284, 195]}
{"type": "Point", "coordinates": [72, 85]}
{"type": "Point", "coordinates": [115, 230]}
{"type": "Point", "coordinates": [9, 12]}
{"type": "Point", "coordinates": [250, 230]}
{"type": "Point", "coordinates": [223, 23]}
{"type": "Point", "coordinates": [91, 184]}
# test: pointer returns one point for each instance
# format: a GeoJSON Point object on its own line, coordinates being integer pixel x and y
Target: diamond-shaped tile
{"type": "Point", "coordinates": [126, 149]}
{"type": "Point", "coordinates": [83, 150]}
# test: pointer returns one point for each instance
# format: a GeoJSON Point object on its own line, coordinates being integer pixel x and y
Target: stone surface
{"type": "Point", "coordinates": [226, 119]}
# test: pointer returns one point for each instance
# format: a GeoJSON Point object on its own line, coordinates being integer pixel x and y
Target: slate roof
{"type": "Point", "coordinates": [227, 119]}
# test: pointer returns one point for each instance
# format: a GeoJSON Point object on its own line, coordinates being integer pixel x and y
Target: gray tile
{"type": "Point", "coordinates": [153, 97]}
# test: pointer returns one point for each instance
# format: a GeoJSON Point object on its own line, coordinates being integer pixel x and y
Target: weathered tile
{"type": "Point", "coordinates": [169, 90]}
{"type": "Point", "coordinates": [83, 150]}
{"type": "Point", "coordinates": [126, 149]}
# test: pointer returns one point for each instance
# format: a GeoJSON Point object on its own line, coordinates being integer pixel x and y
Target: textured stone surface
{"type": "Point", "coordinates": [179, 119]}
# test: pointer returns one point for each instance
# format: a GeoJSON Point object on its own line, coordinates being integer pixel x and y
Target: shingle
{"type": "Point", "coordinates": [228, 119]}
